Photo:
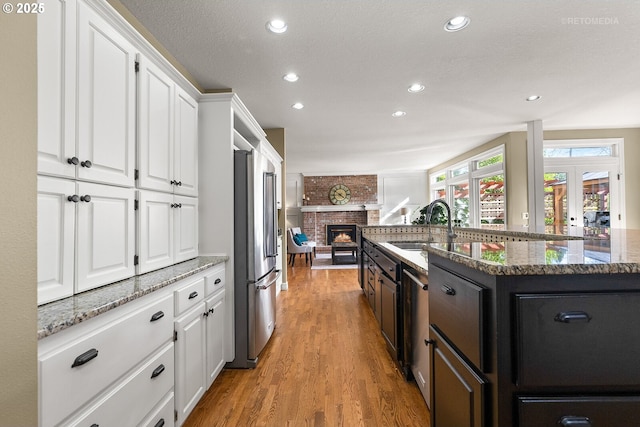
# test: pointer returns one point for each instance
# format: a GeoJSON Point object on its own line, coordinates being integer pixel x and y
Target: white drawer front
{"type": "Point", "coordinates": [214, 280]}
{"type": "Point", "coordinates": [119, 347]}
{"type": "Point", "coordinates": [131, 400]}
{"type": "Point", "coordinates": [189, 295]}
{"type": "Point", "coordinates": [162, 415]}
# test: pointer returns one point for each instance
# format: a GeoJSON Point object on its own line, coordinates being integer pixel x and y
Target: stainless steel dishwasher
{"type": "Point", "coordinates": [416, 283]}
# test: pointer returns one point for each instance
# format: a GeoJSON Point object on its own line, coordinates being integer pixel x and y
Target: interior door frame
{"type": "Point", "coordinates": [574, 167]}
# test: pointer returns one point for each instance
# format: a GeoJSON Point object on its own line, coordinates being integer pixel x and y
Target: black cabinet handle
{"type": "Point", "coordinates": [448, 290]}
{"type": "Point", "coordinates": [179, 183]}
{"type": "Point", "coordinates": [571, 421]}
{"type": "Point", "coordinates": [218, 280]}
{"type": "Point", "coordinates": [95, 425]}
{"type": "Point", "coordinates": [157, 371]}
{"type": "Point", "coordinates": [160, 423]}
{"type": "Point", "coordinates": [425, 287]}
{"type": "Point", "coordinates": [193, 294]}
{"type": "Point", "coordinates": [85, 198]}
{"type": "Point", "coordinates": [427, 342]}
{"type": "Point", "coordinates": [173, 182]}
{"type": "Point", "coordinates": [74, 198]}
{"type": "Point", "coordinates": [85, 357]}
{"type": "Point", "coordinates": [211, 310]}
{"type": "Point", "coordinates": [572, 317]}
{"type": "Point", "coordinates": [86, 164]}
{"type": "Point", "coordinates": [157, 316]}
{"type": "Point", "coordinates": [73, 161]}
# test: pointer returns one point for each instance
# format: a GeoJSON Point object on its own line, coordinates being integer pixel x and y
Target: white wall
{"type": "Point", "coordinates": [401, 189]}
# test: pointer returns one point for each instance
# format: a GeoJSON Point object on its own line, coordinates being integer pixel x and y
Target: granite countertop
{"type": "Point", "coordinates": [58, 315]}
{"type": "Point", "coordinates": [573, 250]}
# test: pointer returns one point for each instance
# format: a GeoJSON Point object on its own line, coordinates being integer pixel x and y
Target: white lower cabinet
{"type": "Point", "coordinates": [88, 358]}
{"type": "Point", "coordinates": [145, 363]}
{"type": "Point", "coordinates": [190, 351]}
{"type": "Point", "coordinates": [129, 402]}
{"type": "Point", "coordinates": [215, 313]}
{"type": "Point", "coordinates": [167, 229]}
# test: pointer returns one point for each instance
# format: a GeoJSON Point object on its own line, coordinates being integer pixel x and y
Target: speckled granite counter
{"type": "Point", "coordinates": [59, 315]}
{"type": "Point", "coordinates": [516, 252]}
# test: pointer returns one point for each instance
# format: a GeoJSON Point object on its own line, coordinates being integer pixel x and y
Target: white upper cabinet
{"type": "Point", "coordinates": [186, 144]}
{"type": "Point", "coordinates": [86, 119]}
{"type": "Point", "coordinates": [56, 231]}
{"type": "Point", "coordinates": [56, 89]}
{"type": "Point", "coordinates": [168, 132]}
{"type": "Point", "coordinates": [155, 128]}
{"type": "Point", "coordinates": [105, 237]}
{"type": "Point", "coordinates": [185, 228]}
{"type": "Point", "coordinates": [106, 101]}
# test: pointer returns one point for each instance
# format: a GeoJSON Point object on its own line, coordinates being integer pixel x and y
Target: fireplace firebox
{"type": "Point", "coordinates": [343, 233]}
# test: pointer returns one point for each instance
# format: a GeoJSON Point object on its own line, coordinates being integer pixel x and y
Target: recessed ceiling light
{"type": "Point", "coordinates": [533, 98]}
{"type": "Point", "coordinates": [457, 23]}
{"type": "Point", "coordinates": [291, 77]}
{"type": "Point", "coordinates": [416, 87]}
{"type": "Point", "coordinates": [277, 26]}
{"type": "Point", "coordinates": [298, 106]}
{"type": "Point", "coordinates": [399, 113]}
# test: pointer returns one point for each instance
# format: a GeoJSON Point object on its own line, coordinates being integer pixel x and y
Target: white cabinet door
{"type": "Point", "coordinates": [155, 230]}
{"type": "Point", "coordinates": [186, 144]}
{"type": "Point", "coordinates": [215, 336]}
{"type": "Point", "coordinates": [106, 101]}
{"type": "Point", "coordinates": [105, 242]}
{"type": "Point", "coordinates": [56, 231]}
{"type": "Point", "coordinates": [155, 128]}
{"type": "Point", "coordinates": [56, 89]}
{"type": "Point", "coordinates": [185, 228]}
{"type": "Point", "coordinates": [190, 361]}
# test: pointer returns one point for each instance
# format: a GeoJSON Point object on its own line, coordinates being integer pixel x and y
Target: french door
{"type": "Point", "coordinates": [582, 195]}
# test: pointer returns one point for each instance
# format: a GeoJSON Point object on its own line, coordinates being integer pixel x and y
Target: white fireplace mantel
{"type": "Point", "coordinates": [340, 208]}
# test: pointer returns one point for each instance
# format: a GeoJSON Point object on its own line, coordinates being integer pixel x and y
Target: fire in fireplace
{"type": "Point", "coordinates": [340, 233]}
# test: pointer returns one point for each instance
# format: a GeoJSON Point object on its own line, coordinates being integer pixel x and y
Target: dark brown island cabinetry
{"type": "Point", "coordinates": [533, 350]}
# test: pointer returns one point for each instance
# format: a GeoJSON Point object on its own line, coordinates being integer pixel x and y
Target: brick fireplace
{"type": "Point", "coordinates": [319, 212]}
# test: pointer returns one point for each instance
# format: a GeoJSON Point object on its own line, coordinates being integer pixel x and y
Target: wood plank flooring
{"type": "Point", "coordinates": [325, 365]}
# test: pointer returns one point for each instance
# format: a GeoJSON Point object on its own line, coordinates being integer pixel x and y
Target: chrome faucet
{"type": "Point", "coordinates": [450, 234]}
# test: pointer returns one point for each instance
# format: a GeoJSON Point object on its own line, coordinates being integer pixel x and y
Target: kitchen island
{"type": "Point", "coordinates": [532, 333]}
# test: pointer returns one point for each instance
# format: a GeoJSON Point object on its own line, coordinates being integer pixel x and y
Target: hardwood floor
{"type": "Point", "coordinates": [325, 365]}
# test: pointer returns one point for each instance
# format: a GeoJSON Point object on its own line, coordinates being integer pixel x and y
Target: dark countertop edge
{"type": "Point", "coordinates": [51, 329]}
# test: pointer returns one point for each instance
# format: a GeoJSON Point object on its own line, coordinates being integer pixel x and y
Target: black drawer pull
{"type": "Point", "coordinates": [193, 294]}
{"type": "Point", "coordinates": [427, 342]}
{"type": "Point", "coordinates": [571, 421]}
{"type": "Point", "coordinates": [218, 280]}
{"type": "Point", "coordinates": [157, 316]}
{"type": "Point", "coordinates": [448, 290]}
{"type": "Point", "coordinates": [157, 371]}
{"type": "Point", "coordinates": [572, 317]}
{"type": "Point", "coordinates": [160, 423]}
{"type": "Point", "coordinates": [85, 357]}
{"type": "Point", "coordinates": [95, 425]}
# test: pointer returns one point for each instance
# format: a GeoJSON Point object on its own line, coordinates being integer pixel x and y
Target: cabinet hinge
{"type": "Point", "coordinates": [620, 216]}
{"type": "Point", "coordinates": [135, 260]}
{"type": "Point", "coordinates": [618, 177]}
{"type": "Point", "coordinates": [136, 205]}
{"type": "Point", "coordinates": [137, 67]}
{"type": "Point", "coordinates": [136, 174]}
{"type": "Point", "coordinates": [175, 415]}
{"type": "Point", "coordinates": [175, 335]}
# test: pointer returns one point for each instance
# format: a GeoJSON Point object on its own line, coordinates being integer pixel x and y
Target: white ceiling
{"type": "Point", "coordinates": [356, 59]}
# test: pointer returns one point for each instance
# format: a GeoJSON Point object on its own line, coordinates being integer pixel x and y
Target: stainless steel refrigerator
{"type": "Point", "coordinates": [255, 274]}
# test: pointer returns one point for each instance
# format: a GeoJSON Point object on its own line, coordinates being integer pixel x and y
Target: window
{"type": "Point", "coordinates": [474, 189]}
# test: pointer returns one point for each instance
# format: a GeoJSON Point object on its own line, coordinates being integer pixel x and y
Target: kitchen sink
{"type": "Point", "coordinates": [409, 246]}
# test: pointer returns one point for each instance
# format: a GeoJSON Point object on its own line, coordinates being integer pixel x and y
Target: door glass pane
{"type": "Point", "coordinates": [605, 151]}
{"type": "Point", "coordinates": [492, 200]}
{"type": "Point", "coordinates": [460, 208]}
{"type": "Point", "coordinates": [595, 199]}
{"type": "Point", "coordinates": [555, 198]}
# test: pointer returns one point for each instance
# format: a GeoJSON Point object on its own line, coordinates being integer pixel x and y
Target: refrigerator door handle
{"type": "Point", "coordinates": [271, 282]}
